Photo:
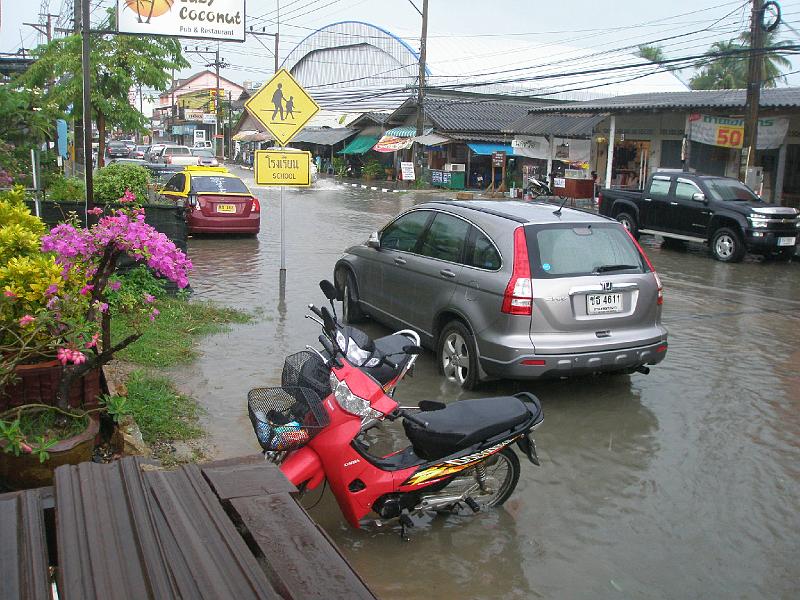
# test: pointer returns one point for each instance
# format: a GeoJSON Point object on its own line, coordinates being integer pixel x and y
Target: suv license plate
{"type": "Point", "coordinates": [786, 241]}
{"type": "Point", "coordinates": [226, 208]}
{"type": "Point", "coordinates": [603, 303]}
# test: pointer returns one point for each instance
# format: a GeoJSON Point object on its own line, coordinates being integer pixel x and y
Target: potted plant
{"type": "Point", "coordinates": [372, 170]}
{"type": "Point", "coordinates": [58, 292]}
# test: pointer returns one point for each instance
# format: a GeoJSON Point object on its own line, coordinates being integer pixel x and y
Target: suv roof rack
{"type": "Point", "coordinates": [482, 209]}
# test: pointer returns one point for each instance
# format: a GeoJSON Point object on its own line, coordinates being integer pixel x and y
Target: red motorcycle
{"type": "Point", "coordinates": [459, 454]}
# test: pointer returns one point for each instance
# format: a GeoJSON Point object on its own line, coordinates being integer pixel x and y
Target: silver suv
{"type": "Point", "coordinates": [510, 289]}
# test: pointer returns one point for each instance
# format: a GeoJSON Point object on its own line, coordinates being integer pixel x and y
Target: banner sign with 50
{"type": "Point", "coordinates": [729, 132]}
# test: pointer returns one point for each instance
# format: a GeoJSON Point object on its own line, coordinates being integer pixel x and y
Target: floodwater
{"type": "Point", "coordinates": [684, 483]}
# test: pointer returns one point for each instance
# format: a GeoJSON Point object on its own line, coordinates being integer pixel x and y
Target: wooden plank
{"type": "Point", "coordinates": [203, 541]}
{"type": "Point", "coordinates": [250, 459]}
{"type": "Point", "coordinates": [236, 481]}
{"type": "Point", "coordinates": [300, 562]}
{"type": "Point", "coordinates": [23, 551]}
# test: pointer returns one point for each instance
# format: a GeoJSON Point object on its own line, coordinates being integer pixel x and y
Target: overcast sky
{"type": "Point", "coordinates": [596, 25]}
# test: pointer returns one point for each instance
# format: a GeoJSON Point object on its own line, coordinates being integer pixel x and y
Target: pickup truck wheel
{"type": "Point", "coordinates": [629, 223]}
{"type": "Point", "coordinates": [727, 245]}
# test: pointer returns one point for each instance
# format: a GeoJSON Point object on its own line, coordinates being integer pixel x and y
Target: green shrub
{"type": "Point", "coordinates": [373, 169]}
{"type": "Point", "coordinates": [111, 182]}
{"type": "Point", "coordinates": [66, 189]}
{"type": "Point", "coordinates": [339, 166]}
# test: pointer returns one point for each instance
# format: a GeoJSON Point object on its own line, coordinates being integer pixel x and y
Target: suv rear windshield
{"type": "Point", "coordinates": [574, 249]}
{"type": "Point", "coordinates": [205, 184]}
{"type": "Point", "coordinates": [177, 150]}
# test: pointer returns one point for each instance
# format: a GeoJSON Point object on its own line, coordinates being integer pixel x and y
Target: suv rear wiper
{"type": "Point", "coordinates": [607, 268]}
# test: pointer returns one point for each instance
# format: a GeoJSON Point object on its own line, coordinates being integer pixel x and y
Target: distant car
{"type": "Point", "coordinates": [176, 155]}
{"type": "Point", "coordinates": [510, 290]}
{"type": "Point", "coordinates": [117, 149]}
{"type": "Point", "coordinates": [139, 152]}
{"type": "Point", "coordinates": [131, 144]}
{"type": "Point", "coordinates": [127, 161]}
{"type": "Point", "coordinates": [205, 157]}
{"type": "Point", "coordinates": [216, 201]}
{"type": "Point", "coordinates": [153, 151]}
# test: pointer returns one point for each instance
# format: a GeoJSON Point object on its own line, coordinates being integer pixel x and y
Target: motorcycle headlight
{"type": "Point", "coordinates": [349, 402]}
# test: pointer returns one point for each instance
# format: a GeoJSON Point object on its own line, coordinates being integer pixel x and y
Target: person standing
{"type": "Point", "coordinates": [277, 101]}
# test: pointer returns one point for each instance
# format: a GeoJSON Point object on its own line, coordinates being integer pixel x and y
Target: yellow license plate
{"type": "Point", "coordinates": [226, 208]}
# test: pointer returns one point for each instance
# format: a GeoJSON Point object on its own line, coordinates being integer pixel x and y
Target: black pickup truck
{"type": "Point", "coordinates": [718, 211]}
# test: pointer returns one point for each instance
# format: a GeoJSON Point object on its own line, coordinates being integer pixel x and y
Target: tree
{"type": "Point", "coordinates": [731, 72]}
{"type": "Point", "coordinates": [118, 64]}
{"type": "Point", "coordinates": [654, 54]}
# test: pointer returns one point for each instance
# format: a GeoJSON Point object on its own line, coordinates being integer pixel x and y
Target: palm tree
{"type": "Point", "coordinates": [654, 54]}
{"type": "Point", "coordinates": [730, 71]}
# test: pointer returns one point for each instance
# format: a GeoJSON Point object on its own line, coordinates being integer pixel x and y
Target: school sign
{"type": "Point", "coordinates": [204, 19]}
{"type": "Point", "coordinates": [279, 167]}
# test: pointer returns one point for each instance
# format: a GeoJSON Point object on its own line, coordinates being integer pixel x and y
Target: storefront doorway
{"type": "Point", "coordinates": [631, 164]}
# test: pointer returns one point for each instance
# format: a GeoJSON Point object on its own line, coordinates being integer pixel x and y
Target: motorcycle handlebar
{"type": "Point", "coordinates": [316, 311]}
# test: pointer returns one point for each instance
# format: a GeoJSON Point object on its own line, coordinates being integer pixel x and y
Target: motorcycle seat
{"type": "Point", "coordinates": [464, 424]}
{"type": "Point", "coordinates": [390, 344]}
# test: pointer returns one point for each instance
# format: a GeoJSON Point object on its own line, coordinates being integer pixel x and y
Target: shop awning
{"type": "Point", "coordinates": [406, 131]}
{"type": "Point", "coordinates": [488, 149]}
{"type": "Point", "coordinates": [360, 145]}
{"type": "Point", "coordinates": [392, 143]}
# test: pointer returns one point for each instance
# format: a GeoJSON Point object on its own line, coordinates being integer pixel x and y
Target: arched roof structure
{"type": "Point", "coordinates": [352, 65]}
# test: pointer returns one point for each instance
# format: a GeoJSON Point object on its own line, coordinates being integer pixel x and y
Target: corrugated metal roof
{"type": "Point", "coordinates": [770, 98]}
{"type": "Point", "coordinates": [325, 136]}
{"type": "Point", "coordinates": [480, 137]}
{"type": "Point", "coordinates": [561, 125]}
{"type": "Point", "coordinates": [479, 115]}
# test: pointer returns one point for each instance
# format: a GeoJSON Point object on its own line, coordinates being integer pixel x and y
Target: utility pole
{"type": "Point", "coordinates": [272, 35]}
{"type": "Point", "coordinates": [77, 127]}
{"type": "Point", "coordinates": [219, 151]}
{"type": "Point", "coordinates": [87, 106]}
{"type": "Point", "coordinates": [46, 29]}
{"type": "Point", "coordinates": [753, 88]}
{"type": "Point", "coordinates": [421, 93]}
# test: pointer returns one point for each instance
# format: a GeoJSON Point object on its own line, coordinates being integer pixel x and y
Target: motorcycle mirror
{"type": "Point", "coordinates": [412, 349]}
{"type": "Point", "coordinates": [329, 290]}
{"type": "Point", "coordinates": [327, 319]}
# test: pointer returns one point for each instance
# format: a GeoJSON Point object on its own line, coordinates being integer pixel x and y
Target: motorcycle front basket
{"type": "Point", "coordinates": [285, 418]}
{"type": "Point", "coordinates": [307, 370]}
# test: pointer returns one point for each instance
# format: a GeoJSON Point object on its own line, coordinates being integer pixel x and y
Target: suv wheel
{"type": "Point", "coordinates": [727, 245]}
{"type": "Point", "coordinates": [458, 356]}
{"type": "Point", "coordinates": [351, 311]}
{"type": "Point", "coordinates": [629, 222]}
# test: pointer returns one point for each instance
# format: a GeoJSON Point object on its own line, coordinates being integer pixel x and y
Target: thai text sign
{"type": "Point", "coordinates": [407, 170]}
{"type": "Point", "coordinates": [729, 132]}
{"type": "Point", "coordinates": [277, 167]}
{"type": "Point", "coordinates": [206, 19]}
{"type": "Point", "coordinates": [498, 159]}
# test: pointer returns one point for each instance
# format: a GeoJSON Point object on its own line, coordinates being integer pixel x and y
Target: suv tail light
{"type": "Point", "coordinates": [256, 207]}
{"type": "Point", "coordinates": [518, 298]}
{"type": "Point", "coordinates": [650, 265]}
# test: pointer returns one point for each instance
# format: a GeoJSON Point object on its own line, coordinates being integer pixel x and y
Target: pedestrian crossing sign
{"type": "Point", "coordinates": [282, 106]}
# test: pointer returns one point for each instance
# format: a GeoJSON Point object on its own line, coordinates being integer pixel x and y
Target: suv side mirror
{"type": "Point", "coordinates": [374, 240]}
{"type": "Point", "coordinates": [699, 197]}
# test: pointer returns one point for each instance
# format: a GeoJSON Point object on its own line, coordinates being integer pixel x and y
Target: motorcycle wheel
{"type": "Point", "coordinates": [502, 475]}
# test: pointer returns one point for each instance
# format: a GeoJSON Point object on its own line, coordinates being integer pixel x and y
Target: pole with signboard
{"type": "Point", "coordinates": [283, 107]}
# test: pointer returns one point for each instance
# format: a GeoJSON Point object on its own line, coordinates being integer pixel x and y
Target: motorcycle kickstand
{"type": "Point", "coordinates": [405, 524]}
{"type": "Point", "coordinates": [470, 501]}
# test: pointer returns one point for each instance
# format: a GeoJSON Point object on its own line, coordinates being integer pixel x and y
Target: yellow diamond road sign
{"type": "Point", "coordinates": [282, 106]}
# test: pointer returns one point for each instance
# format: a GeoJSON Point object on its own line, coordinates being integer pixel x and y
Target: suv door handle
{"type": "Point", "coordinates": [399, 261]}
{"type": "Point", "coordinates": [648, 199]}
{"type": "Point", "coordinates": [447, 273]}
{"type": "Point", "coordinates": [674, 203]}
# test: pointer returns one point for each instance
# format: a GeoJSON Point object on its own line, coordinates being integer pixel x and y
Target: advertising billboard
{"type": "Point", "coordinates": [222, 20]}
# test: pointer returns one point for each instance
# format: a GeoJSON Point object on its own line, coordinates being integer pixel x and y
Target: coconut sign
{"type": "Point", "coordinates": [204, 19]}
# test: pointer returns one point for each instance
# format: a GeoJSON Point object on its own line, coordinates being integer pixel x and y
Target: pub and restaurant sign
{"type": "Point", "coordinates": [205, 19]}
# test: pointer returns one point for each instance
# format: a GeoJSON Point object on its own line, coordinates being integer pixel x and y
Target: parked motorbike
{"type": "Point", "coordinates": [459, 454]}
{"type": "Point", "coordinates": [537, 186]}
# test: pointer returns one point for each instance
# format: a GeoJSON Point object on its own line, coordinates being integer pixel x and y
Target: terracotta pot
{"type": "Point", "coordinates": [25, 471]}
{"type": "Point", "coordinates": [38, 384]}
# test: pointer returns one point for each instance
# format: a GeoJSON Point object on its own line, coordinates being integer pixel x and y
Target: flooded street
{"type": "Point", "coordinates": [684, 483]}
